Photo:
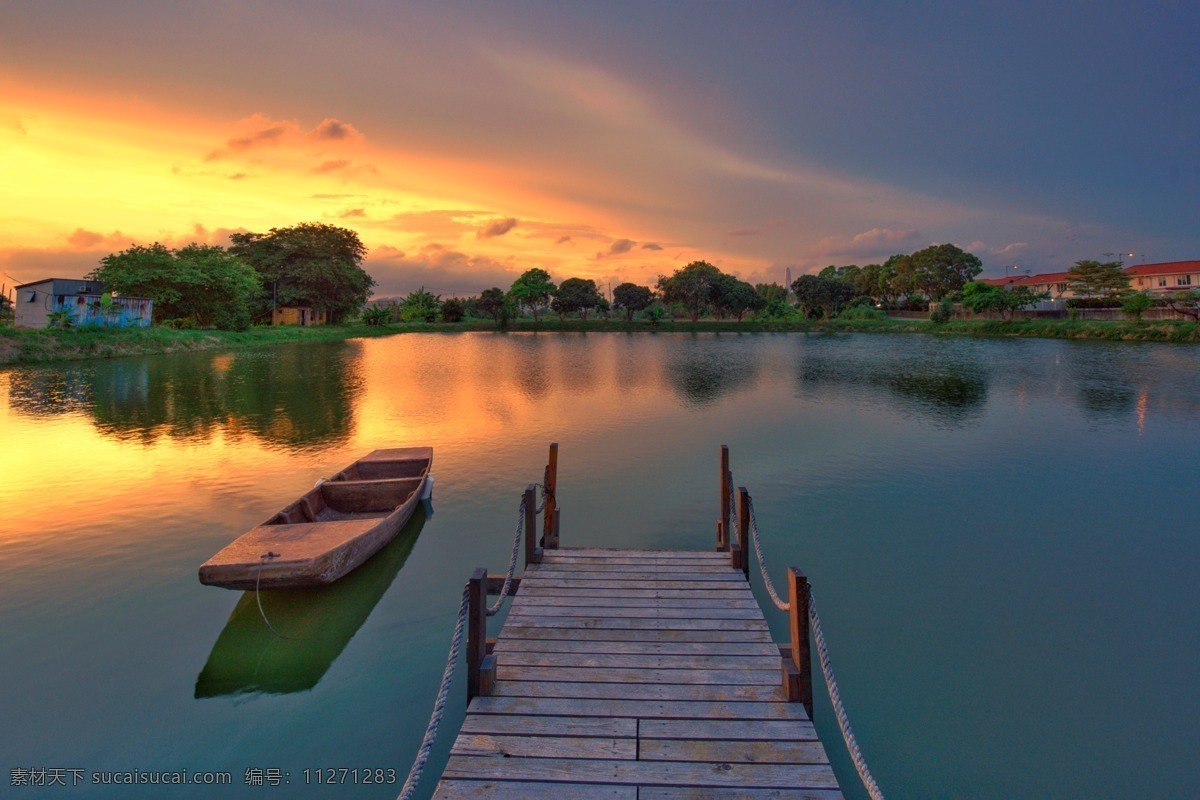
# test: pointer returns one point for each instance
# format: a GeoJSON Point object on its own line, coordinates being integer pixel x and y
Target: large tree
{"type": "Point", "coordinates": [202, 283]}
{"type": "Point", "coordinates": [631, 298]}
{"type": "Point", "coordinates": [532, 290]}
{"type": "Point", "coordinates": [821, 297]}
{"type": "Point", "coordinates": [734, 297]}
{"type": "Point", "coordinates": [982, 297]}
{"type": "Point", "coordinates": [310, 264]}
{"type": "Point", "coordinates": [492, 302]}
{"type": "Point", "coordinates": [576, 295]}
{"type": "Point", "coordinates": [692, 287]}
{"type": "Point", "coordinates": [1099, 279]}
{"type": "Point", "coordinates": [934, 272]}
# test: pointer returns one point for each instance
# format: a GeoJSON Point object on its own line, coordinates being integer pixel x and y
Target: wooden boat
{"type": "Point", "coordinates": [309, 627]}
{"type": "Point", "coordinates": [329, 531]}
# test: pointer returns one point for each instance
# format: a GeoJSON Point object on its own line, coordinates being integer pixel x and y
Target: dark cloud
{"type": "Point", "coordinates": [331, 166]}
{"type": "Point", "coordinates": [353, 212]}
{"type": "Point", "coordinates": [652, 246]}
{"type": "Point", "coordinates": [496, 228]}
{"type": "Point", "coordinates": [562, 240]}
{"type": "Point", "coordinates": [270, 135]}
{"type": "Point", "coordinates": [438, 268]}
{"type": "Point", "coordinates": [331, 129]}
{"type": "Point", "coordinates": [617, 247]}
{"type": "Point", "coordinates": [237, 176]}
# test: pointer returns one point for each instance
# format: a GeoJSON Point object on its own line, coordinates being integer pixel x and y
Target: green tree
{"type": "Point", "coordinates": [631, 298]}
{"type": "Point", "coordinates": [453, 310]}
{"type": "Point", "coordinates": [1185, 303]}
{"type": "Point", "coordinates": [848, 274]}
{"type": "Point", "coordinates": [734, 297]}
{"type": "Point", "coordinates": [532, 290]}
{"type": "Point", "coordinates": [692, 287]}
{"type": "Point", "coordinates": [310, 264]}
{"type": "Point", "coordinates": [935, 271]}
{"type": "Point", "coordinates": [820, 296]}
{"type": "Point", "coordinates": [980, 297]}
{"type": "Point", "coordinates": [420, 306]}
{"type": "Point", "coordinates": [492, 302]}
{"type": "Point", "coordinates": [203, 283]}
{"type": "Point", "coordinates": [576, 295]}
{"type": "Point", "coordinates": [1090, 278]}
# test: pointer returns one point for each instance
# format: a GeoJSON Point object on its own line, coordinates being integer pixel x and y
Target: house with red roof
{"type": "Point", "coordinates": [1165, 278]}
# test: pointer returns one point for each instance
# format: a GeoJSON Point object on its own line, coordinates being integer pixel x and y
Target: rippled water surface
{"type": "Point", "coordinates": [1002, 536]}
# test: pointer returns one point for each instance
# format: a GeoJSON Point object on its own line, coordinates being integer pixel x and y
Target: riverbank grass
{"type": "Point", "coordinates": [44, 346]}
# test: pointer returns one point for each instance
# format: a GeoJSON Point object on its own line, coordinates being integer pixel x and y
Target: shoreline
{"type": "Point", "coordinates": [30, 347]}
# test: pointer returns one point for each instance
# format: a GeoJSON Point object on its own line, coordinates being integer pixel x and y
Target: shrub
{"type": "Point", "coordinates": [376, 315]}
{"type": "Point", "coordinates": [60, 320]}
{"type": "Point", "coordinates": [453, 310]}
{"type": "Point", "coordinates": [655, 313]}
{"type": "Point", "coordinates": [942, 312]}
{"type": "Point", "coordinates": [1135, 305]}
{"type": "Point", "coordinates": [862, 311]}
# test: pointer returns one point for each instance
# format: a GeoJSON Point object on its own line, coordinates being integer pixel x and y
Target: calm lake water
{"type": "Point", "coordinates": [1002, 536]}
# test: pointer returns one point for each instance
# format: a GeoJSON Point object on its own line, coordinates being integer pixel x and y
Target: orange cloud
{"type": "Point", "coordinates": [496, 228]}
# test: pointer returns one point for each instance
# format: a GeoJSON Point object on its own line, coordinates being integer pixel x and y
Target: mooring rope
{"type": "Point", "coordinates": [835, 696]}
{"type": "Point", "coordinates": [494, 608]}
{"type": "Point", "coordinates": [262, 559]}
{"type": "Point", "coordinates": [439, 705]}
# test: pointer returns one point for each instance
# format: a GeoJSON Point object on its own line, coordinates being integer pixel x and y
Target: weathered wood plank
{"type": "Point", "coordinates": [509, 644]}
{"type": "Point", "coordinates": [727, 730]}
{"type": "Point", "coordinates": [628, 552]}
{"type": "Point", "coordinates": [641, 709]}
{"type": "Point", "coordinates": [724, 677]}
{"type": "Point", "coordinates": [733, 592]}
{"type": "Point", "coordinates": [645, 773]}
{"type": "Point", "coordinates": [472, 744]}
{"type": "Point", "coordinates": [668, 612]}
{"type": "Point", "coordinates": [733, 584]}
{"type": "Point", "coordinates": [635, 574]}
{"type": "Point", "coordinates": [767, 663]}
{"type": "Point", "coordinates": [595, 565]}
{"type": "Point", "coordinates": [779, 752]}
{"type": "Point", "coordinates": [688, 793]}
{"type": "Point", "coordinates": [531, 631]}
{"type": "Point", "coordinates": [520, 790]}
{"type": "Point", "coordinates": [640, 691]}
{"type": "Point", "coordinates": [670, 601]}
{"type": "Point", "coordinates": [550, 726]}
{"type": "Point", "coordinates": [637, 623]}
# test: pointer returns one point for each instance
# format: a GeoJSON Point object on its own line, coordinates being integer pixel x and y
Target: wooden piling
{"type": "Point", "coordinates": [723, 501]}
{"type": "Point", "coordinates": [798, 628]}
{"type": "Point", "coordinates": [533, 553]}
{"type": "Point", "coordinates": [480, 665]}
{"type": "Point", "coordinates": [549, 529]}
{"type": "Point", "coordinates": [743, 512]}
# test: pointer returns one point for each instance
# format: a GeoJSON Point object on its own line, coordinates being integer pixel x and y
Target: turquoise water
{"type": "Point", "coordinates": [1001, 536]}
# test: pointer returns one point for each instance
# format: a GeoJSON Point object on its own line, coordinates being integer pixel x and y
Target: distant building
{"type": "Point", "coordinates": [299, 315]}
{"type": "Point", "coordinates": [1166, 278]}
{"type": "Point", "coordinates": [82, 300]}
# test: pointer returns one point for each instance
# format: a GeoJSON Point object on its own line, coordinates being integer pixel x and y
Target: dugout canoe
{"type": "Point", "coordinates": [332, 529]}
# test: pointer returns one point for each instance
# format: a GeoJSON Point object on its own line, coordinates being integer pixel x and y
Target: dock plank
{"type": "Point", "coordinates": [636, 675]}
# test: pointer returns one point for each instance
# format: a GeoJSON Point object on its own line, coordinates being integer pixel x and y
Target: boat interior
{"type": "Point", "coordinates": [348, 499]}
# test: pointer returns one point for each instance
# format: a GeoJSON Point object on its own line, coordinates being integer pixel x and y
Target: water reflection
{"type": "Point", "coordinates": [945, 387]}
{"type": "Point", "coordinates": [702, 369]}
{"type": "Point", "coordinates": [297, 397]}
{"type": "Point", "coordinates": [314, 627]}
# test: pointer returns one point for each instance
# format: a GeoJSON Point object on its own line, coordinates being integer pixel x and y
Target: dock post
{"type": "Point", "coordinates": [481, 667]}
{"type": "Point", "coordinates": [533, 553]}
{"type": "Point", "coordinates": [797, 675]}
{"type": "Point", "coordinates": [743, 512]}
{"type": "Point", "coordinates": [723, 501]}
{"type": "Point", "coordinates": [549, 528]}
{"type": "Point", "coordinates": [553, 543]}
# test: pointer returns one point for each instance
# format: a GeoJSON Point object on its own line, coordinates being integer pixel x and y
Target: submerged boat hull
{"type": "Point", "coordinates": [329, 531]}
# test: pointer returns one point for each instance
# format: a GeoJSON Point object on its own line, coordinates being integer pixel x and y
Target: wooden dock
{"type": "Point", "coordinates": [639, 674]}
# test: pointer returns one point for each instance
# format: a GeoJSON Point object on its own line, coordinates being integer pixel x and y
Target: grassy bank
{"type": "Point", "coordinates": [29, 347]}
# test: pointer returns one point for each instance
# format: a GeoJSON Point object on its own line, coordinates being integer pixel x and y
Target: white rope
{"type": "Point", "coordinates": [835, 697]}
{"type": "Point", "coordinates": [762, 562]}
{"type": "Point", "coordinates": [439, 706]}
{"type": "Point", "coordinates": [512, 562]}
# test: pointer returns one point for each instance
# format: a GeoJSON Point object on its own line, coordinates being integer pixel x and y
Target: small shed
{"type": "Point", "coordinates": [299, 315]}
{"type": "Point", "coordinates": [82, 300]}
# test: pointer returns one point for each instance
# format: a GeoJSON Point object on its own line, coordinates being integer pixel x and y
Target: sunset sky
{"type": "Point", "coordinates": [467, 142]}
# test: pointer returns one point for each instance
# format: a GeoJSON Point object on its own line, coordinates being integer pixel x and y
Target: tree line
{"type": "Point", "coordinates": [200, 285]}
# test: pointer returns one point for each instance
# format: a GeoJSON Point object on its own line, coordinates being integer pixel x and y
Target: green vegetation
{"type": "Point", "coordinates": [1103, 279]}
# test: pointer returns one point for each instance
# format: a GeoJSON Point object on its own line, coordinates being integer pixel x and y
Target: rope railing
{"type": "Point", "coordinates": [835, 695]}
{"type": "Point", "coordinates": [439, 705]}
{"type": "Point", "coordinates": [460, 628]}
